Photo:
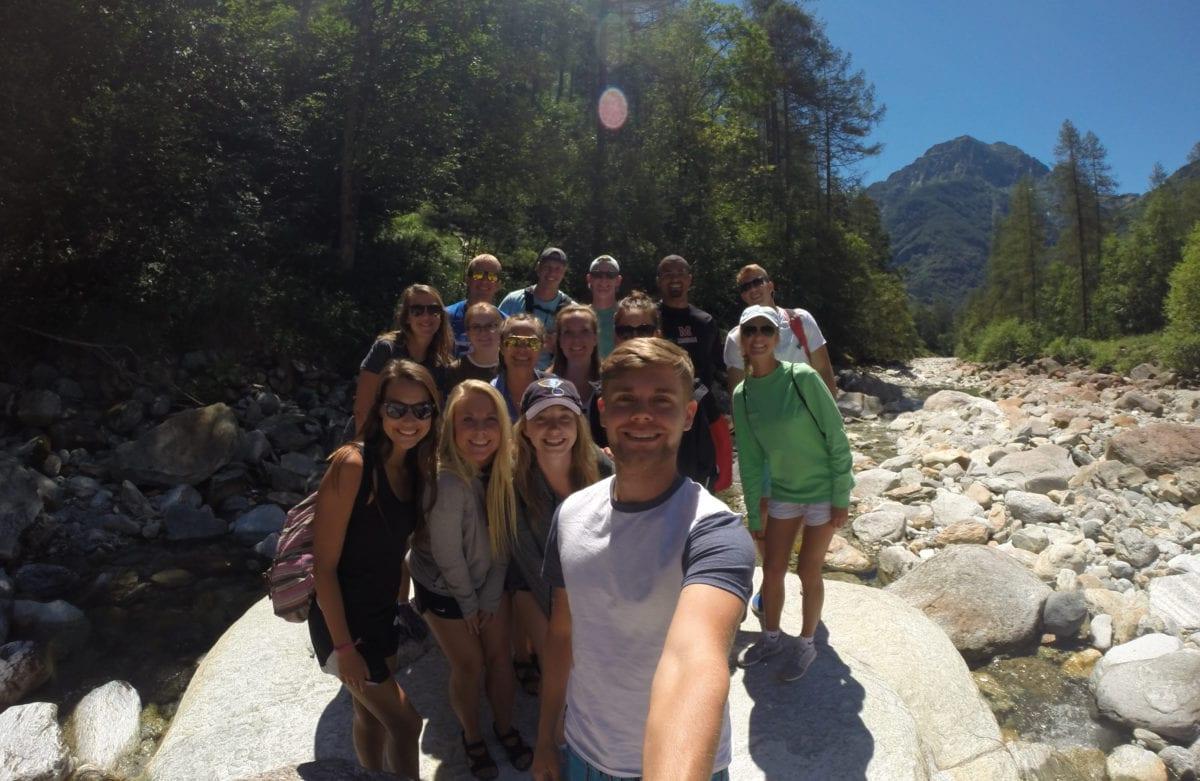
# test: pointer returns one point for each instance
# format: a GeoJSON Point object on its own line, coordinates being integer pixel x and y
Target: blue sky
{"type": "Point", "coordinates": [1013, 70]}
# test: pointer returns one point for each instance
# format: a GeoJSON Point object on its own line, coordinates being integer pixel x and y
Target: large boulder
{"type": "Point", "coordinates": [983, 599]}
{"type": "Point", "coordinates": [1158, 448]}
{"type": "Point", "coordinates": [880, 526]}
{"type": "Point", "coordinates": [881, 720]}
{"type": "Point", "coordinates": [1134, 763]}
{"type": "Point", "coordinates": [1176, 600]}
{"type": "Point", "coordinates": [39, 408]}
{"type": "Point", "coordinates": [1044, 469]}
{"type": "Point", "coordinates": [105, 725]}
{"type": "Point", "coordinates": [31, 744]}
{"type": "Point", "coordinates": [1161, 693]}
{"type": "Point", "coordinates": [187, 447]}
{"type": "Point", "coordinates": [24, 666]}
{"type": "Point", "coordinates": [874, 482]}
{"type": "Point", "coordinates": [20, 504]}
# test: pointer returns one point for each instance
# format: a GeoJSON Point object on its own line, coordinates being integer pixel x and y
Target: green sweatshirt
{"type": "Point", "coordinates": [806, 455]}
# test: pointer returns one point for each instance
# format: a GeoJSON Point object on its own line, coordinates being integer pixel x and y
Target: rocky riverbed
{"type": "Point", "coordinates": [1044, 517]}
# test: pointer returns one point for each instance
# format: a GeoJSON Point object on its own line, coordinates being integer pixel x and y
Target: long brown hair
{"type": "Point", "coordinates": [584, 468]}
{"type": "Point", "coordinates": [501, 501]}
{"type": "Point", "coordinates": [442, 345]}
{"type": "Point", "coordinates": [421, 460]}
{"type": "Point", "coordinates": [559, 366]}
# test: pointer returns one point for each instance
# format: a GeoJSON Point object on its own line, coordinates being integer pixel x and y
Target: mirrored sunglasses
{"type": "Point", "coordinates": [528, 342]}
{"type": "Point", "coordinates": [422, 410]}
{"type": "Point", "coordinates": [479, 276]}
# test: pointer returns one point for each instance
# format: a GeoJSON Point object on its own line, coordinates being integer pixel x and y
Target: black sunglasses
{"type": "Point", "coordinates": [750, 284]}
{"type": "Point", "coordinates": [765, 330]}
{"type": "Point", "coordinates": [630, 331]}
{"type": "Point", "coordinates": [603, 274]}
{"type": "Point", "coordinates": [424, 309]}
{"type": "Point", "coordinates": [422, 410]}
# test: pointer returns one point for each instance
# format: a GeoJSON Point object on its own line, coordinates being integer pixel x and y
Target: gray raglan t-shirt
{"type": "Point", "coordinates": [623, 566]}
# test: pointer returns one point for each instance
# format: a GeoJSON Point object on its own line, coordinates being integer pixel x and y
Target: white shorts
{"type": "Point", "coordinates": [815, 514]}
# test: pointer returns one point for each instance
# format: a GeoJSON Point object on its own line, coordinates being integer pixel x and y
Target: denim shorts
{"type": "Point", "coordinates": [577, 769]}
{"type": "Point", "coordinates": [815, 514]}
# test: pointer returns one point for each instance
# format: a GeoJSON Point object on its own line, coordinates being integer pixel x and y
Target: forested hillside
{"type": "Point", "coordinates": [1099, 274]}
{"type": "Point", "coordinates": [940, 210]}
{"type": "Point", "coordinates": [268, 174]}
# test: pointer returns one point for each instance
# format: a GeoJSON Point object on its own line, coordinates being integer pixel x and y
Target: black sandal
{"type": "Point", "coordinates": [529, 676]}
{"type": "Point", "coordinates": [479, 760]}
{"type": "Point", "coordinates": [520, 755]}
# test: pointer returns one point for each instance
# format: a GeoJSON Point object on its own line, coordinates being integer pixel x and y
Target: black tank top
{"type": "Point", "coordinates": [376, 541]}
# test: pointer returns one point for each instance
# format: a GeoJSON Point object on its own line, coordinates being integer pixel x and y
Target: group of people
{"type": "Point", "coordinates": [552, 521]}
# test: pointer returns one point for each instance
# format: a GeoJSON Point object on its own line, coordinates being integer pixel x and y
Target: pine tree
{"type": "Point", "coordinates": [1075, 206]}
{"type": "Point", "coordinates": [1158, 175]}
{"type": "Point", "coordinates": [1018, 253]}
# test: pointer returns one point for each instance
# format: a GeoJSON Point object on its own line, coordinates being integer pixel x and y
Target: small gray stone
{"type": "Point", "coordinates": [259, 522]}
{"type": "Point", "coordinates": [1120, 569]}
{"type": "Point", "coordinates": [1149, 740]}
{"type": "Point", "coordinates": [1135, 547]}
{"type": "Point", "coordinates": [135, 501]}
{"type": "Point", "coordinates": [1134, 763]}
{"type": "Point", "coordinates": [1182, 764]}
{"type": "Point", "coordinates": [950, 508]}
{"type": "Point", "coordinates": [1064, 613]}
{"type": "Point", "coordinates": [267, 546]}
{"type": "Point", "coordinates": [39, 408]}
{"type": "Point", "coordinates": [186, 523]}
{"type": "Point", "coordinates": [1032, 508]}
{"type": "Point", "coordinates": [1032, 539]}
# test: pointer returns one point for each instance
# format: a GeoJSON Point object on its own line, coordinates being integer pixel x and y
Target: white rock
{"type": "Point", "coordinates": [880, 526]}
{"type": "Point", "coordinates": [873, 482]}
{"type": "Point", "coordinates": [1145, 647]}
{"type": "Point", "coordinates": [1185, 562]}
{"type": "Point", "coordinates": [1134, 763]}
{"type": "Point", "coordinates": [105, 724]}
{"type": "Point", "coordinates": [1032, 539]}
{"type": "Point", "coordinates": [1176, 600]}
{"type": "Point", "coordinates": [1102, 632]}
{"type": "Point", "coordinates": [31, 744]}
{"type": "Point", "coordinates": [1032, 508]}
{"type": "Point", "coordinates": [951, 508]}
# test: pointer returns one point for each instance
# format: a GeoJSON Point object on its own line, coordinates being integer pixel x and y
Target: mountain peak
{"type": "Point", "coordinates": [999, 164]}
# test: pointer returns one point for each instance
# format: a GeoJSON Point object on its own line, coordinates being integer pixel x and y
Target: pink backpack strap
{"type": "Point", "coordinates": [797, 326]}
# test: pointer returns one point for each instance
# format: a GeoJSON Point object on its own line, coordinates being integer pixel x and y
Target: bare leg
{"type": "Point", "coordinates": [811, 558]}
{"type": "Point", "coordinates": [530, 618]}
{"type": "Point", "coordinates": [396, 729]}
{"type": "Point", "coordinates": [465, 656]}
{"type": "Point", "coordinates": [498, 666]}
{"type": "Point", "coordinates": [780, 537]}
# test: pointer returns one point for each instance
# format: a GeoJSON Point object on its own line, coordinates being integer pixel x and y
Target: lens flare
{"type": "Point", "coordinates": [613, 109]}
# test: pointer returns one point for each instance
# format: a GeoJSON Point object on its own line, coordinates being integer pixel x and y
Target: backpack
{"type": "Point", "coordinates": [290, 580]}
{"type": "Point", "coordinates": [529, 303]}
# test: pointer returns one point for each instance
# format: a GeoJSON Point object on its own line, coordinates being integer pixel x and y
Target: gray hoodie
{"type": "Point", "coordinates": [455, 559]}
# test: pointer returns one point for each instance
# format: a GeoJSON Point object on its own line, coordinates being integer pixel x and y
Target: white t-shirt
{"type": "Point", "coordinates": [789, 348]}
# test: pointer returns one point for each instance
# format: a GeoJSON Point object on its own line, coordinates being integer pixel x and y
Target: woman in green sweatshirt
{"type": "Point", "coordinates": [795, 466]}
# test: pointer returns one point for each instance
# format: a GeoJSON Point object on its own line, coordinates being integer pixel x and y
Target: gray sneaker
{"type": "Point", "coordinates": [761, 649]}
{"type": "Point", "coordinates": [798, 662]}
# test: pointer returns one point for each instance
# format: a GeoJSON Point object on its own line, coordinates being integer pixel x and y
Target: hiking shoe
{"type": "Point", "coordinates": [761, 649]}
{"type": "Point", "coordinates": [797, 663]}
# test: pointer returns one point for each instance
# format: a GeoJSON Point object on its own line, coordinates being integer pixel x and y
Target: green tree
{"type": "Point", "coordinates": [1017, 257]}
{"type": "Point", "coordinates": [1075, 168]}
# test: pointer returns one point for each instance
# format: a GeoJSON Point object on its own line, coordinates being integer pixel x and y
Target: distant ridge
{"type": "Point", "coordinates": [939, 211]}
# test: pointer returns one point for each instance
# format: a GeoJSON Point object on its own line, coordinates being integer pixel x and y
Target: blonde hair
{"type": "Point", "coordinates": [560, 358]}
{"type": "Point", "coordinates": [644, 353]}
{"type": "Point", "coordinates": [584, 467]}
{"type": "Point", "coordinates": [500, 502]}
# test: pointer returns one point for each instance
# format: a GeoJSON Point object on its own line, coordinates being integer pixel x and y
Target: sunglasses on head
{"type": "Point", "coordinates": [528, 342]}
{"type": "Point", "coordinates": [416, 310]}
{"type": "Point", "coordinates": [603, 274]}
{"type": "Point", "coordinates": [765, 329]}
{"type": "Point", "coordinates": [630, 331]}
{"type": "Point", "coordinates": [479, 276]}
{"type": "Point", "coordinates": [484, 328]}
{"type": "Point", "coordinates": [750, 284]}
{"type": "Point", "coordinates": [422, 410]}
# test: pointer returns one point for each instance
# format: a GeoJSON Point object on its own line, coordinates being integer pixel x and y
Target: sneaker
{"type": "Point", "coordinates": [797, 664]}
{"type": "Point", "coordinates": [761, 649]}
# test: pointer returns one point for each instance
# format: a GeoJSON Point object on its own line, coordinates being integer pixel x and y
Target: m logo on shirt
{"type": "Point", "coordinates": [685, 335]}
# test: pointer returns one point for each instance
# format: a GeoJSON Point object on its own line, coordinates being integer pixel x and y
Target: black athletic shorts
{"type": "Point", "coordinates": [440, 605]}
{"type": "Point", "coordinates": [375, 646]}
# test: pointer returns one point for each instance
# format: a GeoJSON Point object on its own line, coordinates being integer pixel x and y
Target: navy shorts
{"type": "Point", "coordinates": [440, 605]}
